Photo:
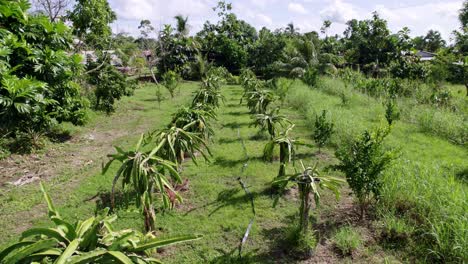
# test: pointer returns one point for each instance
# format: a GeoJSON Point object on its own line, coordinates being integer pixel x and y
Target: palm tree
{"type": "Point", "coordinates": [291, 29]}
{"type": "Point", "coordinates": [299, 54]}
{"type": "Point", "coordinates": [182, 26]}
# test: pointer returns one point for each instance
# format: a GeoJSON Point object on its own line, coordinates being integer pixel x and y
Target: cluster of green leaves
{"type": "Point", "coordinates": [170, 80]}
{"type": "Point", "coordinates": [323, 129]}
{"type": "Point", "coordinates": [94, 240]}
{"type": "Point", "coordinates": [37, 88]}
{"type": "Point", "coordinates": [109, 84]}
{"type": "Point", "coordinates": [363, 163]}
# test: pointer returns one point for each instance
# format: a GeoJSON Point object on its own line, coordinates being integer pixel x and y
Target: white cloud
{"type": "Point", "coordinates": [297, 8]}
{"type": "Point", "coordinates": [339, 11]}
{"type": "Point", "coordinates": [441, 16]}
{"type": "Point", "coordinates": [264, 19]}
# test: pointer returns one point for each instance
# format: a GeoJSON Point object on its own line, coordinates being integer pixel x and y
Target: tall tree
{"type": "Point", "coordinates": [433, 41]}
{"type": "Point", "coordinates": [91, 23]}
{"type": "Point", "coordinates": [182, 26]}
{"type": "Point", "coordinates": [54, 9]}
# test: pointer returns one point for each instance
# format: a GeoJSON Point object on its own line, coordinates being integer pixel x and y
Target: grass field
{"type": "Point", "coordinates": [423, 183]}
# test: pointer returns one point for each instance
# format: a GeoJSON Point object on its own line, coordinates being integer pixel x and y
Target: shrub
{"type": "Point", "coordinates": [323, 129]}
{"type": "Point", "coordinates": [363, 163]}
{"type": "Point", "coordinates": [311, 76]}
{"type": "Point", "coordinates": [347, 240]}
{"type": "Point", "coordinates": [281, 87]}
{"type": "Point", "coordinates": [171, 81]}
{"type": "Point", "coordinates": [110, 85]}
{"type": "Point", "coordinates": [392, 113]}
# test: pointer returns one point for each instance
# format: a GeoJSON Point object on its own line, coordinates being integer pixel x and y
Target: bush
{"type": "Point", "coordinates": [347, 240]}
{"type": "Point", "coordinates": [392, 113]}
{"type": "Point", "coordinates": [311, 76]}
{"type": "Point", "coordinates": [323, 129]}
{"type": "Point", "coordinates": [363, 163]}
{"type": "Point", "coordinates": [110, 85]}
{"type": "Point", "coordinates": [171, 81]}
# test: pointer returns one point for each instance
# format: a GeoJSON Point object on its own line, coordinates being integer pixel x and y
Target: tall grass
{"type": "Point", "coordinates": [435, 203]}
{"type": "Point", "coordinates": [422, 189]}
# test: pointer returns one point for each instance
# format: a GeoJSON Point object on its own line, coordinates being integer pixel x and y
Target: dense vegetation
{"type": "Point", "coordinates": [364, 100]}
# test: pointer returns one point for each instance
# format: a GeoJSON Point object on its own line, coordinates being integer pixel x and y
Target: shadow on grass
{"type": "Point", "coordinates": [234, 125]}
{"type": "Point", "coordinates": [227, 163]}
{"type": "Point", "coordinates": [278, 249]}
{"type": "Point", "coordinates": [122, 200]}
{"type": "Point", "coordinates": [237, 113]}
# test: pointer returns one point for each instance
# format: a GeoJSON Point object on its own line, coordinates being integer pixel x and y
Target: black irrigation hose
{"type": "Point", "coordinates": [243, 185]}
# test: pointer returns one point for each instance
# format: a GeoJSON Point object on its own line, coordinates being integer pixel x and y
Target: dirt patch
{"type": "Point", "coordinates": [79, 152]}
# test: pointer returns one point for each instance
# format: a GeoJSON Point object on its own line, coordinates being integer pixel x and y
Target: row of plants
{"type": "Point", "coordinates": [152, 169]}
{"type": "Point", "coordinates": [420, 199]}
{"type": "Point", "coordinates": [362, 161]}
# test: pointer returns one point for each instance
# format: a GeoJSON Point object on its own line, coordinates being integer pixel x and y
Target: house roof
{"type": "Point", "coordinates": [425, 54]}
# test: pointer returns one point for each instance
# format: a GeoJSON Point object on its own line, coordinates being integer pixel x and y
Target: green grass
{"type": "Point", "coordinates": [347, 240]}
{"type": "Point", "coordinates": [424, 187]}
{"type": "Point", "coordinates": [215, 204]}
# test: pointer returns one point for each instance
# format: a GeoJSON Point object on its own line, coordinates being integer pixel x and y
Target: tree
{"type": "Point", "coordinates": [182, 26]}
{"type": "Point", "coordinates": [171, 81]}
{"type": "Point", "coordinates": [91, 20]}
{"type": "Point", "coordinates": [433, 41]}
{"type": "Point", "coordinates": [54, 9]}
{"type": "Point", "coordinates": [368, 42]}
{"type": "Point", "coordinates": [265, 51]}
{"type": "Point", "coordinates": [37, 73]}
{"type": "Point", "coordinates": [226, 43]}
{"type": "Point", "coordinates": [326, 25]}
{"type": "Point", "coordinates": [323, 129]}
{"type": "Point", "coordinates": [363, 163]}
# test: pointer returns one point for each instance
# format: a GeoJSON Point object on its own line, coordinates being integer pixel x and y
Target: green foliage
{"type": "Point", "coordinates": [270, 121]}
{"type": "Point", "coordinates": [93, 240]}
{"type": "Point", "coordinates": [209, 93]}
{"type": "Point", "coordinates": [197, 118]}
{"type": "Point", "coordinates": [298, 244]}
{"type": "Point", "coordinates": [281, 87]}
{"type": "Point", "coordinates": [363, 163]}
{"type": "Point", "coordinates": [36, 87]}
{"type": "Point", "coordinates": [309, 181]}
{"type": "Point", "coordinates": [323, 129]}
{"type": "Point", "coordinates": [392, 113]}
{"type": "Point", "coordinates": [171, 81]}
{"type": "Point", "coordinates": [146, 171]}
{"type": "Point", "coordinates": [369, 42]}
{"type": "Point", "coordinates": [311, 76]}
{"type": "Point", "coordinates": [110, 85]}
{"type": "Point", "coordinates": [347, 240]}
{"type": "Point", "coordinates": [91, 20]}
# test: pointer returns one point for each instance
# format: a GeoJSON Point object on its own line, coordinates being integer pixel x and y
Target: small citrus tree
{"type": "Point", "coordinates": [171, 81]}
{"type": "Point", "coordinates": [323, 129]}
{"type": "Point", "coordinates": [363, 162]}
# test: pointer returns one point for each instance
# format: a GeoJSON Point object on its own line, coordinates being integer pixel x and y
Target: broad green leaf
{"type": "Point", "coordinates": [121, 257]}
{"type": "Point", "coordinates": [49, 232]}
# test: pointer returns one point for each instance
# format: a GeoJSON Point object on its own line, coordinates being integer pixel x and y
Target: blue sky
{"type": "Point", "coordinates": [307, 15]}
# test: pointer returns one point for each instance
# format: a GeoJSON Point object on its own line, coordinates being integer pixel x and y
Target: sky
{"type": "Point", "coordinates": [307, 15]}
